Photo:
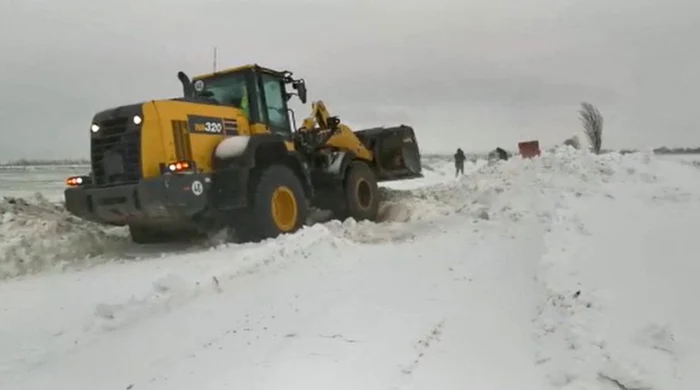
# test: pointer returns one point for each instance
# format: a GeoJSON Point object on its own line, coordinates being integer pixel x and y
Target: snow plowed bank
{"type": "Point", "coordinates": [527, 268]}
{"type": "Point", "coordinates": [38, 235]}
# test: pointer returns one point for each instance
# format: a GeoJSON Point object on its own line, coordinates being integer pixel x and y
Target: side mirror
{"type": "Point", "coordinates": [300, 87]}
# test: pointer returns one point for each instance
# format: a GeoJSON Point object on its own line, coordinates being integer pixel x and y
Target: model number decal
{"type": "Point", "coordinates": [207, 125]}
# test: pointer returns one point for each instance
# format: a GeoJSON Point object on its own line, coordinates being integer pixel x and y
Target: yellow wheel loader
{"type": "Point", "coordinates": [228, 154]}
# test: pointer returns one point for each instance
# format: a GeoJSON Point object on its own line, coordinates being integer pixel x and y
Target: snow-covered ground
{"type": "Point", "coordinates": [24, 181]}
{"type": "Point", "coordinates": [569, 271]}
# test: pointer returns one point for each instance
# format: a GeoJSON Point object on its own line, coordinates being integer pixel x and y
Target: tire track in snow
{"type": "Point", "coordinates": [432, 337]}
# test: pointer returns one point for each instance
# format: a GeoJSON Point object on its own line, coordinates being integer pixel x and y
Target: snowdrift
{"type": "Point", "coordinates": [39, 235]}
{"type": "Point", "coordinates": [480, 193]}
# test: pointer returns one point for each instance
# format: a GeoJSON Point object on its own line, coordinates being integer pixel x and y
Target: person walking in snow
{"type": "Point", "coordinates": [459, 162]}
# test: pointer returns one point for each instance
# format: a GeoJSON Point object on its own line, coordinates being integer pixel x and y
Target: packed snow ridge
{"type": "Point", "coordinates": [567, 271]}
{"type": "Point", "coordinates": [38, 235]}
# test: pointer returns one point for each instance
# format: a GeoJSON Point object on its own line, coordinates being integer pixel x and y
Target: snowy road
{"type": "Point", "coordinates": [570, 271]}
{"type": "Point", "coordinates": [377, 319]}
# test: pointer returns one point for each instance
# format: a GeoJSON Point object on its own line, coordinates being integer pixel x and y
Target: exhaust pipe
{"type": "Point", "coordinates": [187, 88]}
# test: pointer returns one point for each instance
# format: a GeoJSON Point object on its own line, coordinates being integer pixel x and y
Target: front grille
{"type": "Point", "coordinates": [181, 138]}
{"type": "Point", "coordinates": [115, 153]}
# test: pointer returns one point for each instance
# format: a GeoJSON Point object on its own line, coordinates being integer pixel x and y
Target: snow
{"type": "Point", "coordinates": [38, 235]}
{"type": "Point", "coordinates": [232, 146]}
{"type": "Point", "coordinates": [26, 181]}
{"type": "Point", "coordinates": [568, 271]}
{"type": "Point", "coordinates": [640, 323]}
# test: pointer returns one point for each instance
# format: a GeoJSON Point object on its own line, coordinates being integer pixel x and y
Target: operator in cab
{"type": "Point", "coordinates": [238, 98]}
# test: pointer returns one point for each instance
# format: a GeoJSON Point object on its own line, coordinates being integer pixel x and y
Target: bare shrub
{"type": "Point", "coordinates": [592, 122]}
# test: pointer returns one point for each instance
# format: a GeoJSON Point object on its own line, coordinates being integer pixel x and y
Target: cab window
{"type": "Point", "coordinates": [228, 89]}
{"type": "Point", "coordinates": [276, 107]}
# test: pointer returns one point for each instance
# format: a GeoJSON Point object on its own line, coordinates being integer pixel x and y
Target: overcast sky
{"type": "Point", "coordinates": [475, 74]}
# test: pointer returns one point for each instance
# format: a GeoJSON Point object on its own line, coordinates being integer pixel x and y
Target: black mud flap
{"type": "Point", "coordinates": [396, 151]}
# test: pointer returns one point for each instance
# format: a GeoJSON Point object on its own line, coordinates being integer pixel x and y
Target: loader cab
{"type": "Point", "coordinates": [259, 92]}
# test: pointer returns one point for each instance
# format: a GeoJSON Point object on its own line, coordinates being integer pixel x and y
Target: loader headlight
{"type": "Point", "coordinates": [94, 128]}
{"type": "Point", "coordinates": [137, 120]}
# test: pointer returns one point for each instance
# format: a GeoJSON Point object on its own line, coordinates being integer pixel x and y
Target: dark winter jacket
{"type": "Point", "coordinates": [459, 157]}
{"type": "Point", "coordinates": [502, 154]}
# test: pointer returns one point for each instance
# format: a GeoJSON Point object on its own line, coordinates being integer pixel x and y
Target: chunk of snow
{"type": "Point", "coordinates": [36, 235]}
{"type": "Point", "coordinates": [232, 146]}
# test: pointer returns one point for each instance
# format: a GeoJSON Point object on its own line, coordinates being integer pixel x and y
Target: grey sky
{"type": "Point", "coordinates": [475, 74]}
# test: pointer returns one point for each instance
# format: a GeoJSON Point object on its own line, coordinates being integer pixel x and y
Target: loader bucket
{"type": "Point", "coordinates": [396, 152]}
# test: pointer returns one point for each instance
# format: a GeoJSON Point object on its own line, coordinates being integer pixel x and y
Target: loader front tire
{"type": "Point", "coordinates": [277, 204]}
{"type": "Point", "coordinates": [360, 193]}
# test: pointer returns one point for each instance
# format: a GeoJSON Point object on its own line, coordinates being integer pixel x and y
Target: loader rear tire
{"type": "Point", "coordinates": [277, 204]}
{"type": "Point", "coordinates": [360, 194]}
